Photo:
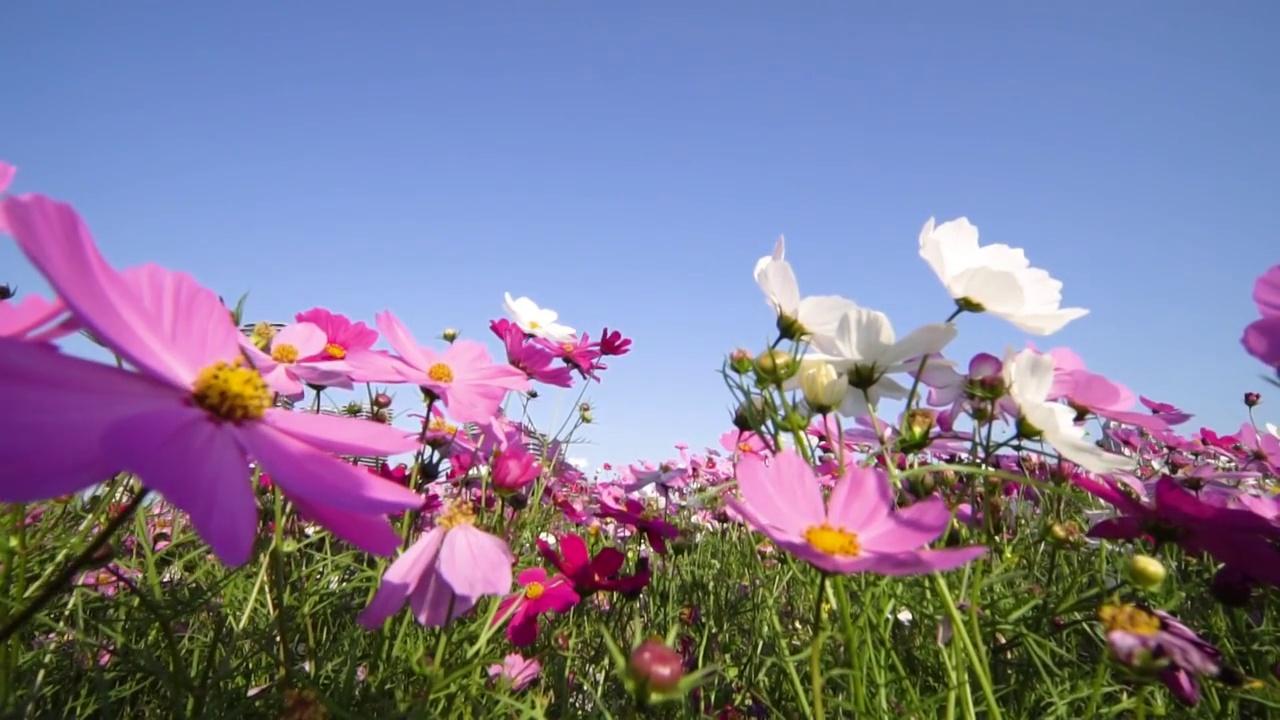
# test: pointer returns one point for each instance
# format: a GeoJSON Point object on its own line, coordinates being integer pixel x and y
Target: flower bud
{"type": "Point", "coordinates": [7, 293]}
{"type": "Point", "coordinates": [775, 366]}
{"type": "Point", "coordinates": [824, 388]}
{"type": "Point", "coordinates": [262, 335]}
{"type": "Point", "coordinates": [750, 415]}
{"type": "Point", "coordinates": [449, 335]}
{"type": "Point", "coordinates": [1252, 399]}
{"type": "Point", "coordinates": [915, 430]}
{"type": "Point", "coordinates": [1146, 572]}
{"type": "Point", "coordinates": [655, 666]}
{"type": "Point", "coordinates": [353, 408]}
{"type": "Point", "coordinates": [382, 401]}
{"type": "Point", "coordinates": [740, 361]}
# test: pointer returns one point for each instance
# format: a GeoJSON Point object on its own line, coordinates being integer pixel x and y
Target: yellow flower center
{"type": "Point", "coordinates": [440, 372]}
{"type": "Point", "coordinates": [833, 541]}
{"type": "Point", "coordinates": [568, 347]}
{"type": "Point", "coordinates": [231, 391]}
{"type": "Point", "coordinates": [284, 353]}
{"type": "Point", "coordinates": [534, 590]}
{"type": "Point", "coordinates": [1130, 619]}
{"type": "Point", "coordinates": [439, 425]}
{"type": "Point", "coordinates": [744, 447]}
{"type": "Point", "coordinates": [264, 330]}
{"type": "Point", "coordinates": [458, 513]}
{"type": "Point", "coordinates": [534, 325]}
{"type": "Point", "coordinates": [335, 351]}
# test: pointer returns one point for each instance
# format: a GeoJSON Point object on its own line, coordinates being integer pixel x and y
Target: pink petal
{"type": "Point", "coordinates": [1266, 292]}
{"type": "Point", "coordinates": [401, 578]}
{"type": "Point", "coordinates": [342, 435]}
{"type": "Point", "coordinates": [20, 319]}
{"type": "Point", "coordinates": [371, 533]}
{"type": "Point", "coordinates": [475, 563]}
{"type": "Point", "coordinates": [320, 479]}
{"type": "Point", "coordinates": [1262, 340]}
{"type": "Point", "coordinates": [64, 407]}
{"type": "Point", "coordinates": [785, 495]}
{"type": "Point", "coordinates": [909, 528]}
{"type": "Point", "coordinates": [307, 338]}
{"type": "Point", "coordinates": [7, 172]}
{"type": "Point", "coordinates": [402, 341]}
{"type": "Point", "coordinates": [215, 490]}
{"type": "Point", "coordinates": [859, 500]}
{"type": "Point", "coordinates": [532, 575]}
{"type": "Point", "coordinates": [917, 562]}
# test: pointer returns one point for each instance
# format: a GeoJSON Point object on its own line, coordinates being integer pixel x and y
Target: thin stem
{"type": "Point", "coordinates": [958, 626]}
{"type": "Point", "coordinates": [815, 652]}
{"type": "Point", "coordinates": [60, 581]}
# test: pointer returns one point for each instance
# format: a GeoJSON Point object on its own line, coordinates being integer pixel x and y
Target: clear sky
{"type": "Point", "coordinates": [627, 163]}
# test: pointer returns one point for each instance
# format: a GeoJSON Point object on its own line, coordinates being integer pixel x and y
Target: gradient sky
{"type": "Point", "coordinates": [627, 163]}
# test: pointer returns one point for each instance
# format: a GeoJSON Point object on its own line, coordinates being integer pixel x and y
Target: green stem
{"type": "Point", "coordinates": [815, 653]}
{"type": "Point", "coordinates": [958, 625]}
{"type": "Point", "coordinates": [60, 581]}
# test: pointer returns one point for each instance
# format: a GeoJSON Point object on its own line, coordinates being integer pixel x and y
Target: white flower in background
{"type": "Point", "coordinates": [867, 352]}
{"type": "Point", "coordinates": [1271, 428]}
{"type": "Point", "coordinates": [815, 317]}
{"type": "Point", "coordinates": [537, 321]}
{"type": "Point", "coordinates": [577, 462]}
{"type": "Point", "coordinates": [1029, 377]}
{"type": "Point", "coordinates": [996, 278]}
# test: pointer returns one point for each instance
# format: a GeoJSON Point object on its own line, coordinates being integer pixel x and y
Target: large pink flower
{"type": "Point", "coordinates": [466, 380]}
{"type": "Point", "coordinates": [857, 531]}
{"type": "Point", "coordinates": [191, 417]}
{"type": "Point", "coordinates": [444, 573]}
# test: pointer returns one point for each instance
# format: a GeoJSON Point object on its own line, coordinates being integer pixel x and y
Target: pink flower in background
{"type": "Point", "coordinates": [342, 337]}
{"type": "Point", "coordinates": [514, 467]}
{"type": "Point", "coordinates": [451, 566]}
{"type": "Point", "coordinates": [857, 531]}
{"type": "Point", "coordinates": [612, 343]}
{"type": "Point", "coordinates": [516, 671]}
{"type": "Point", "coordinates": [1262, 337]}
{"type": "Point", "coordinates": [1090, 392]}
{"type": "Point", "coordinates": [286, 368]}
{"type": "Point", "coordinates": [1167, 412]}
{"type": "Point", "coordinates": [531, 358]}
{"type": "Point", "coordinates": [191, 396]}
{"type": "Point", "coordinates": [35, 319]}
{"type": "Point", "coordinates": [469, 384]}
{"type": "Point", "coordinates": [579, 353]}
{"type": "Point", "coordinates": [7, 173]}
{"type": "Point", "coordinates": [540, 595]}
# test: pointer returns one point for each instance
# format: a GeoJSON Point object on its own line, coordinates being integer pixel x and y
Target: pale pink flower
{"type": "Point", "coordinates": [293, 361]}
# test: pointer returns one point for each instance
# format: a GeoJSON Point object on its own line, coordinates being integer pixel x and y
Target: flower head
{"type": "Point", "coordinates": [538, 595]}
{"type": "Point", "coordinates": [537, 321]}
{"type": "Point", "coordinates": [814, 318]}
{"type": "Point", "coordinates": [994, 278]}
{"type": "Point", "coordinates": [857, 530]}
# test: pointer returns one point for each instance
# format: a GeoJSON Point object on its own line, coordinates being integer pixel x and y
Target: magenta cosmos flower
{"type": "Point", "coordinates": [857, 531]}
{"type": "Point", "coordinates": [444, 573]}
{"type": "Point", "coordinates": [292, 361]}
{"type": "Point", "coordinates": [1262, 337]}
{"type": "Point", "coordinates": [191, 417]}
{"type": "Point", "coordinates": [538, 596]}
{"type": "Point", "coordinates": [466, 380]}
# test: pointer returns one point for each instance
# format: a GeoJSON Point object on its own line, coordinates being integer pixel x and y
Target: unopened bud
{"type": "Point", "coordinates": [1252, 399]}
{"type": "Point", "coordinates": [262, 335]}
{"type": "Point", "coordinates": [775, 366]}
{"type": "Point", "coordinates": [449, 335]}
{"type": "Point", "coordinates": [382, 401]}
{"type": "Point", "coordinates": [824, 388]}
{"type": "Point", "coordinates": [750, 416]}
{"type": "Point", "coordinates": [740, 361]}
{"type": "Point", "coordinates": [655, 666]}
{"type": "Point", "coordinates": [7, 293]}
{"type": "Point", "coordinates": [1146, 572]}
{"type": "Point", "coordinates": [353, 408]}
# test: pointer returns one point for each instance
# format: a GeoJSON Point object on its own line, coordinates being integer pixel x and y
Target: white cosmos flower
{"type": "Point", "coordinates": [995, 278]}
{"type": "Point", "coordinates": [867, 352]}
{"type": "Point", "coordinates": [1271, 428]}
{"type": "Point", "coordinates": [815, 316]}
{"type": "Point", "coordinates": [537, 321]}
{"type": "Point", "coordinates": [1029, 377]}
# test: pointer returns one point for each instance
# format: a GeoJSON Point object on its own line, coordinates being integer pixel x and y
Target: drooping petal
{"type": "Point", "coordinates": [342, 435]}
{"type": "Point", "coordinates": [401, 578]}
{"type": "Point", "coordinates": [303, 471]}
{"type": "Point", "coordinates": [475, 563]}
{"type": "Point", "coordinates": [214, 491]}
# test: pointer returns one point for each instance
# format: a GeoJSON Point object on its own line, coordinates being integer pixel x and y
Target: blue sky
{"type": "Point", "coordinates": [626, 164]}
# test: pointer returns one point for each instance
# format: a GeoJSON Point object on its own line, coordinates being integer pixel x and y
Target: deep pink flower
{"type": "Point", "coordinates": [531, 358]}
{"type": "Point", "coordinates": [342, 337]}
{"type": "Point", "coordinates": [513, 467]}
{"type": "Point", "coordinates": [612, 343]}
{"type": "Point", "coordinates": [450, 566]}
{"type": "Point", "coordinates": [1153, 640]}
{"type": "Point", "coordinates": [1090, 392]}
{"type": "Point", "coordinates": [591, 574]}
{"type": "Point", "coordinates": [635, 514]}
{"type": "Point", "coordinates": [191, 396]}
{"type": "Point", "coordinates": [298, 356]}
{"type": "Point", "coordinates": [579, 353]}
{"type": "Point", "coordinates": [516, 671]}
{"type": "Point", "coordinates": [858, 530]}
{"type": "Point", "coordinates": [1167, 412]}
{"type": "Point", "coordinates": [469, 384]}
{"type": "Point", "coordinates": [540, 595]}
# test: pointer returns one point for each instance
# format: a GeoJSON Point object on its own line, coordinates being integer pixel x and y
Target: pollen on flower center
{"type": "Point", "coordinates": [441, 373]}
{"type": "Point", "coordinates": [833, 541]}
{"type": "Point", "coordinates": [534, 324]}
{"type": "Point", "coordinates": [568, 347]}
{"type": "Point", "coordinates": [335, 351]}
{"type": "Point", "coordinates": [284, 353]}
{"type": "Point", "coordinates": [534, 590]}
{"type": "Point", "coordinates": [231, 391]}
{"type": "Point", "coordinates": [458, 513]}
{"type": "Point", "coordinates": [1130, 619]}
{"type": "Point", "coordinates": [440, 426]}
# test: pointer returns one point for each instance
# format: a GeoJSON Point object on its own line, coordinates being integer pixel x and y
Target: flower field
{"type": "Point", "coordinates": [342, 518]}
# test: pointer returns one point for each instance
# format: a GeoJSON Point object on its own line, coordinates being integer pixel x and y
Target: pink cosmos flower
{"type": "Point", "coordinates": [1090, 392]}
{"type": "Point", "coordinates": [529, 357]}
{"type": "Point", "coordinates": [514, 467]}
{"type": "Point", "coordinates": [612, 343]}
{"type": "Point", "coordinates": [1262, 337]}
{"type": "Point", "coordinates": [579, 353]}
{"type": "Point", "coordinates": [1167, 412]}
{"type": "Point", "coordinates": [444, 573]}
{"type": "Point", "coordinates": [635, 514]}
{"type": "Point", "coordinates": [858, 530]}
{"type": "Point", "coordinates": [539, 596]}
{"type": "Point", "coordinates": [469, 384]}
{"type": "Point", "coordinates": [342, 337]}
{"type": "Point", "coordinates": [516, 671]}
{"type": "Point", "coordinates": [292, 361]}
{"type": "Point", "coordinates": [192, 395]}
